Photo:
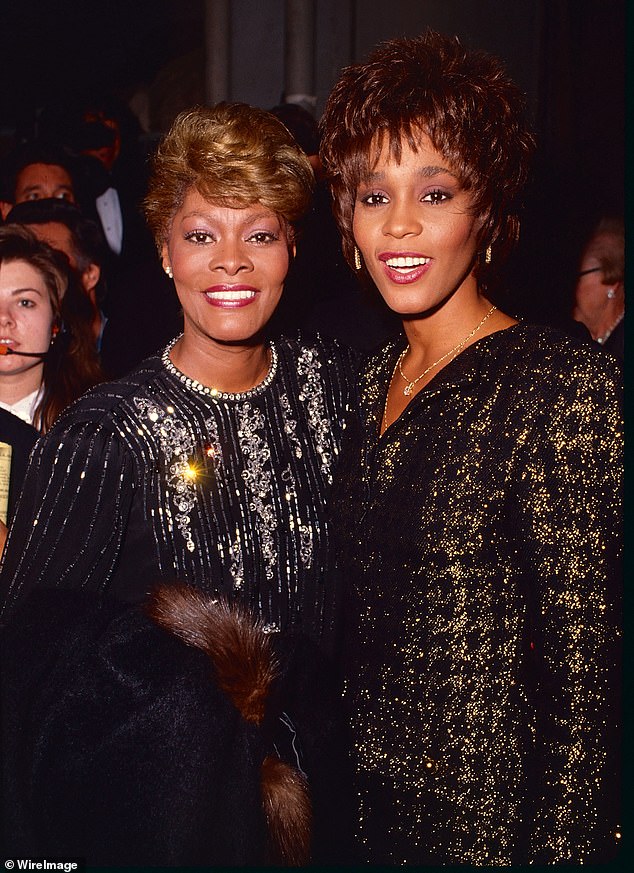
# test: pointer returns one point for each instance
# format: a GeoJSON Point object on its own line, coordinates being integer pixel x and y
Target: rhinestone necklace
{"type": "Point", "coordinates": [194, 385]}
{"type": "Point", "coordinates": [605, 336]}
{"type": "Point", "coordinates": [412, 382]}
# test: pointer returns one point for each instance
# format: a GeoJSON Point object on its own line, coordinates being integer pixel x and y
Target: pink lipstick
{"type": "Point", "coordinates": [230, 296]}
{"type": "Point", "coordinates": [403, 268]}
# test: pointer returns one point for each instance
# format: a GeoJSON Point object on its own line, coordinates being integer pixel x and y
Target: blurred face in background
{"type": "Point", "coordinates": [40, 181]}
{"type": "Point", "coordinates": [593, 293]}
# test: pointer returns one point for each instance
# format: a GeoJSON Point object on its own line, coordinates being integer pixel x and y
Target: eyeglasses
{"type": "Point", "coordinates": [591, 270]}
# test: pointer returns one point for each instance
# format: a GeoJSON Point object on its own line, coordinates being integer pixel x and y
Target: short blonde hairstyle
{"type": "Point", "coordinates": [234, 155]}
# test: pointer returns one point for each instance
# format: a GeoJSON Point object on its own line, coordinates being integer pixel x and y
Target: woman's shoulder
{"type": "Point", "coordinates": [545, 364]}
{"type": "Point", "coordinates": [313, 348]}
{"type": "Point", "coordinates": [551, 349]}
{"type": "Point", "coordinates": [103, 404]}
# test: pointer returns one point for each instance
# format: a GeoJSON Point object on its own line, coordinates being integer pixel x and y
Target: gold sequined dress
{"type": "Point", "coordinates": [480, 538]}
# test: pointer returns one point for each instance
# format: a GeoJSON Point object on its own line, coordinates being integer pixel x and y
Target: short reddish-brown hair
{"type": "Point", "coordinates": [463, 100]}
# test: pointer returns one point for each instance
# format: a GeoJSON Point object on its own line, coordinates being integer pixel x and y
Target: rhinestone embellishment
{"type": "Point", "coordinates": [194, 385]}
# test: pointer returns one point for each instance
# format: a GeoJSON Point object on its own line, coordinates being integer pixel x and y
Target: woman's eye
{"type": "Point", "coordinates": [198, 237]}
{"type": "Point", "coordinates": [374, 199]}
{"type": "Point", "coordinates": [435, 197]}
{"type": "Point", "coordinates": [261, 237]}
{"type": "Point", "coordinates": [26, 304]}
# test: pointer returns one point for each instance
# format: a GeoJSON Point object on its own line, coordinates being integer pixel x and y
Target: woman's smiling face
{"type": "Point", "coordinates": [416, 229]}
{"type": "Point", "coordinates": [229, 267]}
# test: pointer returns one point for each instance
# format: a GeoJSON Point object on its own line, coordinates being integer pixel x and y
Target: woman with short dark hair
{"type": "Point", "coordinates": [480, 507]}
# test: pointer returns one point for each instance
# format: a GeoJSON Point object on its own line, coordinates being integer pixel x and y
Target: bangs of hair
{"type": "Point", "coordinates": [463, 100]}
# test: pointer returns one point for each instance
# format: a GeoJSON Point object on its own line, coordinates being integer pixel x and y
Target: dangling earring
{"type": "Point", "coordinates": [487, 255]}
{"type": "Point", "coordinates": [611, 293]}
{"type": "Point", "coordinates": [357, 259]}
{"type": "Point", "coordinates": [168, 271]}
{"type": "Point", "coordinates": [54, 332]}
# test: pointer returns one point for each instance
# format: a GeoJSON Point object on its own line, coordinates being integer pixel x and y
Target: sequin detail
{"type": "Point", "coordinates": [311, 394]}
{"type": "Point", "coordinates": [178, 449]}
{"type": "Point", "coordinates": [152, 477]}
{"type": "Point", "coordinates": [481, 542]}
{"type": "Point", "coordinates": [257, 475]}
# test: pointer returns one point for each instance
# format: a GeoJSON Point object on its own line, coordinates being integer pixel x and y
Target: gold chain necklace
{"type": "Point", "coordinates": [412, 382]}
{"type": "Point", "coordinates": [410, 385]}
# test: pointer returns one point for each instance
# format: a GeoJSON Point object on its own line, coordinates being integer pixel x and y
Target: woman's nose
{"type": "Point", "coordinates": [6, 315]}
{"type": "Point", "coordinates": [230, 256]}
{"type": "Point", "coordinates": [402, 220]}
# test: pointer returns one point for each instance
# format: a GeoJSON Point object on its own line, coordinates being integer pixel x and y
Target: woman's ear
{"type": "Point", "coordinates": [165, 261]}
{"type": "Point", "coordinates": [90, 277]}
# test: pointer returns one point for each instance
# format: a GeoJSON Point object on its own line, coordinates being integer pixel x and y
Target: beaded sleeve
{"type": "Point", "coordinates": [74, 476]}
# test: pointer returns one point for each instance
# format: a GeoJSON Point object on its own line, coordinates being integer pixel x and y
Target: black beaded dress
{"type": "Point", "coordinates": [156, 477]}
{"type": "Point", "coordinates": [480, 542]}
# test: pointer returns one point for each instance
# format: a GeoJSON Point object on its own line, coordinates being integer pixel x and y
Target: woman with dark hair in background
{"type": "Point", "coordinates": [35, 388]}
{"type": "Point", "coordinates": [63, 226]}
{"type": "Point", "coordinates": [206, 473]}
{"type": "Point", "coordinates": [480, 506]}
{"type": "Point", "coordinates": [39, 387]}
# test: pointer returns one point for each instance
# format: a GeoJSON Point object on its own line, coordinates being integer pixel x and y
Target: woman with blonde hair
{"type": "Point", "coordinates": [210, 465]}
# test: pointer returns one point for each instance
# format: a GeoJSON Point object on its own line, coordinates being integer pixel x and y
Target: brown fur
{"type": "Point", "coordinates": [245, 668]}
{"type": "Point", "coordinates": [240, 651]}
{"type": "Point", "coordinates": [286, 803]}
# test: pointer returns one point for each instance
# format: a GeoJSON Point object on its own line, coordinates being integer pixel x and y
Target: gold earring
{"type": "Point", "coordinates": [168, 271]}
{"type": "Point", "coordinates": [487, 255]}
{"type": "Point", "coordinates": [357, 259]}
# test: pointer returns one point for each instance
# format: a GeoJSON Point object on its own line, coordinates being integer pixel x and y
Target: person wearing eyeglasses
{"type": "Point", "coordinates": [600, 290]}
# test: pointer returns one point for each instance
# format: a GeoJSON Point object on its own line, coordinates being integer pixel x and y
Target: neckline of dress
{"type": "Point", "coordinates": [199, 388]}
{"type": "Point", "coordinates": [436, 383]}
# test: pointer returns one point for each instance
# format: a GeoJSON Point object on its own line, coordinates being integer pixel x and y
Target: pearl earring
{"type": "Point", "coordinates": [611, 293]}
{"type": "Point", "coordinates": [168, 271]}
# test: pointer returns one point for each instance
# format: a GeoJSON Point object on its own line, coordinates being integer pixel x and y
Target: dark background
{"type": "Point", "coordinates": [568, 55]}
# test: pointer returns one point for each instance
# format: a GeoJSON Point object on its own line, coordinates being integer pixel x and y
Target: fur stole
{"type": "Point", "coordinates": [245, 668]}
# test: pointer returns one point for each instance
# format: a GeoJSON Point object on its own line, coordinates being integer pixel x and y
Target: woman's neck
{"type": "Point", "coordinates": [16, 386]}
{"type": "Point", "coordinates": [609, 318]}
{"type": "Point", "coordinates": [455, 326]}
{"type": "Point", "coordinates": [228, 368]}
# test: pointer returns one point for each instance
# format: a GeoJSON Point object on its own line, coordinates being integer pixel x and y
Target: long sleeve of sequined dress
{"type": "Point", "coordinates": [73, 514]}
{"type": "Point", "coordinates": [570, 499]}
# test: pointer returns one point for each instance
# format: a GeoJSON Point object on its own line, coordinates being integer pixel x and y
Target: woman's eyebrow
{"type": "Point", "coordinates": [425, 172]}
